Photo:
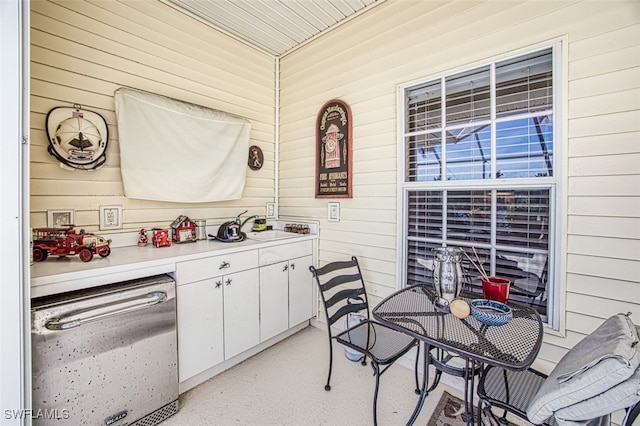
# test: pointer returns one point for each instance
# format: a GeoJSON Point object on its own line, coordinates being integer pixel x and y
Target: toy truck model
{"type": "Point", "coordinates": [67, 242]}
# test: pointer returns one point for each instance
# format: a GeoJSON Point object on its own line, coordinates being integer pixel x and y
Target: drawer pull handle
{"type": "Point", "coordinates": [101, 312]}
{"type": "Point", "coordinates": [224, 265]}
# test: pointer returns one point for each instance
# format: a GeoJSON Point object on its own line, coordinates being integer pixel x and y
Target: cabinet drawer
{"type": "Point", "coordinates": [275, 254]}
{"type": "Point", "coordinates": [208, 267]}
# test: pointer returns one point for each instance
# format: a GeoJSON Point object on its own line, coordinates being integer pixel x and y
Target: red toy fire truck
{"type": "Point", "coordinates": [67, 242]}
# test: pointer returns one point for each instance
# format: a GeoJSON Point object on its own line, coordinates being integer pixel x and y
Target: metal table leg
{"type": "Point", "coordinates": [425, 380]}
{"type": "Point", "coordinates": [469, 383]}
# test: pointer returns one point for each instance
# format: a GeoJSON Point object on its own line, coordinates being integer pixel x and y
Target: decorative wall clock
{"type": "Point", "coordinates": [333, 150]}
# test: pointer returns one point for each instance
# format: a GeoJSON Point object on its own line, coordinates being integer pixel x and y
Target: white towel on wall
{"type": "Point", "coordinates": [179, 152]}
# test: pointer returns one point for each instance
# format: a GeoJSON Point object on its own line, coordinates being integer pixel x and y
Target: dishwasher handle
{"type": "Point", "coordinates": [148, 300]}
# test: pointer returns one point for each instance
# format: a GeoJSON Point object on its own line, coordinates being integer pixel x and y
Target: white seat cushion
{"type": "Point", "coordinates": [618, 397]}
{"type": "Point", "coordinates": [603, 359]}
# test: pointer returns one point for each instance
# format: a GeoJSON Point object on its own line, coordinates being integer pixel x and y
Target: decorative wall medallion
{"type": "Point", "coordinates": [333, 150]}
{"type": "Point", "coordinates": [77, 138]}
{"type": "Point", "coordinates": [256, 159]}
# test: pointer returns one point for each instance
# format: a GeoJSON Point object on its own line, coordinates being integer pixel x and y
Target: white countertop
{"type": "Point", "coordinates": [61, 274]}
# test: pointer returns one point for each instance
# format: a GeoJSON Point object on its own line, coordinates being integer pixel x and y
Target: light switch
{"type": "Point", "coordinates": [333, 212]}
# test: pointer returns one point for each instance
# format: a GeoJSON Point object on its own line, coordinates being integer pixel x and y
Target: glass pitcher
{"type": "Point", "coordinates": [447, 272]}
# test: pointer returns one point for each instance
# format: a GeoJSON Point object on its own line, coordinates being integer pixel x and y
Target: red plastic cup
{"type": "Point", "coordinates": [496, 288]}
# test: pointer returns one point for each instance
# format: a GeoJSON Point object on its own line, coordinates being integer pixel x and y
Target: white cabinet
{"type": "Point", "coordinates": [274, 300]}
{"type": "Point", "coordinates": [200, 326]}
{"type": "Point", "coordinates": [286, 287]}
{"type": "Point", "coordinates": [229, 305]}
{"type": "Point", "coordinates": [241, 312]}
{"type": "Point", "coordinates": [218, 310]}
{"type": "Point", "coordinates": [301, 290]}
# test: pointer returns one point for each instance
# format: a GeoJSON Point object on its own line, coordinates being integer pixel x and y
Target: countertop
{"type": "Point", "coordinates": [62, 274]}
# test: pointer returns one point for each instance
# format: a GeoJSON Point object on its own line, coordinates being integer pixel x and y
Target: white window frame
{"type": "Point", "coordinates": [556, 203]}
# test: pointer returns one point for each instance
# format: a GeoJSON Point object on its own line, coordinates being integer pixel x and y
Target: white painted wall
{"type": "Point", "coordinates": [81, 52]}
{"type": "Point", "coordinates": [363, 61]}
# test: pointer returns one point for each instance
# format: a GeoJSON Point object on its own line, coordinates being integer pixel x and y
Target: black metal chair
{"type": "Point", "coordinates": [343, 291]}
{"type": "Point", "coordinates": [531, 285]}
{"type": "Point", "coordinates": [512, 391]}
{"type": "Point", "coordinates": [517, 392]}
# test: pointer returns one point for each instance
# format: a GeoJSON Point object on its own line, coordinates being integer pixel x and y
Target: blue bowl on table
{"type": "Point", "coordinates": [490, 312]}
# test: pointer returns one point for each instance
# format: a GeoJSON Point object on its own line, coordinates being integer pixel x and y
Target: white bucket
{"type": "Point", "coordinates": [353, 319]}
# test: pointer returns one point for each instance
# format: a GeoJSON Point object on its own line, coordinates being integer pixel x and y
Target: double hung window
{"type": "Point", "coordinates": [480, 173]}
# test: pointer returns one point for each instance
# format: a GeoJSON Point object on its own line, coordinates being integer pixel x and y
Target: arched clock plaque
{"type": "Point", "coordinates": [333, 150]}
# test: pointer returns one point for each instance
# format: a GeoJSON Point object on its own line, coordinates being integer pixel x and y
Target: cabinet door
{"type": "Point", "coordinates": [274, 300]}
{"type": "Point", "coordinates": [301, 289]}
{"type": "Point", "coordinates": [241, 312]}
{"type": "Point", "coordinates": [200, 326]}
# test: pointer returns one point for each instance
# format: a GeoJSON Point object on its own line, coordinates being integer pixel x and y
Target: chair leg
{"type": "Point", "coordinates": [485, 407]}
{"type": "Point", "coordinates": [480, 411]}
{"type": "Point", "coordinates": [415, 371]}
{"type": "Point", "coordinates": [376, 373]}
{"type": "Point", "coordinates": [327, 387]}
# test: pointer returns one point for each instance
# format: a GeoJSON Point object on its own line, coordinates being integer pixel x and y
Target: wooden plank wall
{"type": "Point", "coordinates": [363, 61]}
{"type": "Point", "coordinates": [82, 51]}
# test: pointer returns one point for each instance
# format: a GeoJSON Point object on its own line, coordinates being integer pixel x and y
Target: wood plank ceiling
{"type": "Point", "coordinates": [273, 26]}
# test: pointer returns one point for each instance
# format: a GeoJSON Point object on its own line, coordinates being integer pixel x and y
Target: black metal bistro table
{"type": "Point", "coordinates": [513, 345]}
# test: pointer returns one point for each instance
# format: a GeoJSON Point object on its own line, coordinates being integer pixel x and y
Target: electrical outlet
{"type": "Point", "coordinates": [271, 210]}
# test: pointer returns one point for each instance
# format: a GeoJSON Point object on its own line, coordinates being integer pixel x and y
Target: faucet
{"type": "Point", "coordinates": [241, 223]}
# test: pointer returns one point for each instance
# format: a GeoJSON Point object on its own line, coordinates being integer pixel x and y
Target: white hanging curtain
{"type": "Point", "coordinates": [179, 152]}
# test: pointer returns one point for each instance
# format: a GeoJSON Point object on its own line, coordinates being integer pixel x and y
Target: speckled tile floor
{"type": "Point", "coordinates": [284, 385]}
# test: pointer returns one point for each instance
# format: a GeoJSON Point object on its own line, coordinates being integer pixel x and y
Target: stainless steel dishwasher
{"type": "Point", "coordinates": [106, 355]}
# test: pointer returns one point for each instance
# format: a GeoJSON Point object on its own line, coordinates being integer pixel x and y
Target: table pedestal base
{"type": "Point", "coordinates": [440, 360]}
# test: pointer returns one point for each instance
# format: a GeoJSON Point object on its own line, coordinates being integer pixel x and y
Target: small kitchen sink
{"type": "Point", "coordinates": [271, 235]}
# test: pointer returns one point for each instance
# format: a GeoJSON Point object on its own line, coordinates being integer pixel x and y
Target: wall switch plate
{"type": "Point", "coordinates": [333, 212]}
{"type": "Point", "coordinates": [271, 210]}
